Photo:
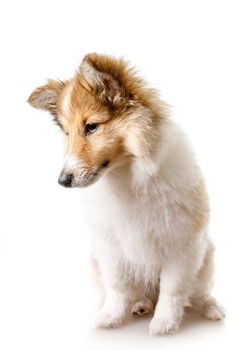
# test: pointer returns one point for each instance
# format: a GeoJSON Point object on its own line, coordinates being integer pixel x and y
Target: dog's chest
{"type": "Point", "coordinates": [128, 222]}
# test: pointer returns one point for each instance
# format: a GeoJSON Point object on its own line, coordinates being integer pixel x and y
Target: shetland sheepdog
{"type": "Point", "coordinates": [145, 200]}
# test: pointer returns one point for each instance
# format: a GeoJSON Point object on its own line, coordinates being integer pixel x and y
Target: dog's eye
{"type": "Point", "coordinates": [90, 128]}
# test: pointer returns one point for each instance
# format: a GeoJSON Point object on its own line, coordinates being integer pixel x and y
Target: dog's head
{"type": "Point", "coordinates": [107, 114]}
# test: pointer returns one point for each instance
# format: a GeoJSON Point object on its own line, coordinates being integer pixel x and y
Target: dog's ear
{"type": "Point", "coordinates": [47, 96]}
{"type": "Point", "coordinates": [102, 74]}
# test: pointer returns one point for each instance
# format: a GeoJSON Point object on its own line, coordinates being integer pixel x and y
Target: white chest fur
{"type": "Point", "coordinates": [134, 224]}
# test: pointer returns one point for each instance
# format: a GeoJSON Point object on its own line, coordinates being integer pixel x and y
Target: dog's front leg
{"type": "Point", "coordinates": [117, 292]}
{"type": "Point", "coordinates": [176, 279]}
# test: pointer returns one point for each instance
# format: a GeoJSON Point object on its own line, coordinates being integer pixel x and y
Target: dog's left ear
{"type": "Point", "coordinates": [46, 97]}
{"type": "Point", "coordinates": [99, 74]}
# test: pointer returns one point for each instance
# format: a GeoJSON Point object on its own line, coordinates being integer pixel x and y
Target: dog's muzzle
{"type": "Point", "coordinates": [81, 176]}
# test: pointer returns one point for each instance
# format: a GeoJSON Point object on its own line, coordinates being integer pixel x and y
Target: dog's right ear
{"type": "Point", "coordinates": [46, 97]}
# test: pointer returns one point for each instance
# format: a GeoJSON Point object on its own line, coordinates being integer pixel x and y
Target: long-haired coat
{"type": "Point", "coordinates": [147, 204]}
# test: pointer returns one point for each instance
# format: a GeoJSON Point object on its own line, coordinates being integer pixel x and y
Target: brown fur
{"type": "Point", "coordinates": [200, 210]}
{"type": "Point", "coordinates": [47, 96]}
{"type": "Point", "coordinates": [107, 100]}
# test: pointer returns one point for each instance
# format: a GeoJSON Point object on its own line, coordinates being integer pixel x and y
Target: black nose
{"type": "Point", "coordinates": [66, 180]}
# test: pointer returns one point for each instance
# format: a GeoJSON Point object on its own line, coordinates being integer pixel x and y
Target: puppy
{"type": "Point", "coordinates": [145, 200]}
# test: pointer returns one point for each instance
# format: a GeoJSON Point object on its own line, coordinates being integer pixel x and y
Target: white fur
{"type": "Point", "coordinates": [143, 238]}
{"type": "Point", "coordinates": [71, 162]}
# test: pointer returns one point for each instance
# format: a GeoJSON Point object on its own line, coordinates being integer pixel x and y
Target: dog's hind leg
{"type": "Point", "coordinates": [201, 299]}
{"type": "Point", "coordinates": [208, 307]}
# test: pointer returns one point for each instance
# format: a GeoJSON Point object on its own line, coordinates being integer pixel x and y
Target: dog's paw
{"type": "Point", "coordinates": [209, 308]}
{"type": "Point", "coordinates": [106, 320]}
{"type": "Point", "coordinates": [142, 307]}
{"type": "Point", "coordinates": [215, 313]}
{"type": "Point", "coordinates": [162, 326]}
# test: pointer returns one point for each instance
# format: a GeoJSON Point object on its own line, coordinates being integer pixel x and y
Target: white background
{"type": "Point", "coordinates": [182, 47]}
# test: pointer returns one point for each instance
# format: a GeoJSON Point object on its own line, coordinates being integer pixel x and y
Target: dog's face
{"type": "Point", "coordinates": [99, 117]}
{"type": "Point", "coordinates": [95, 137]}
